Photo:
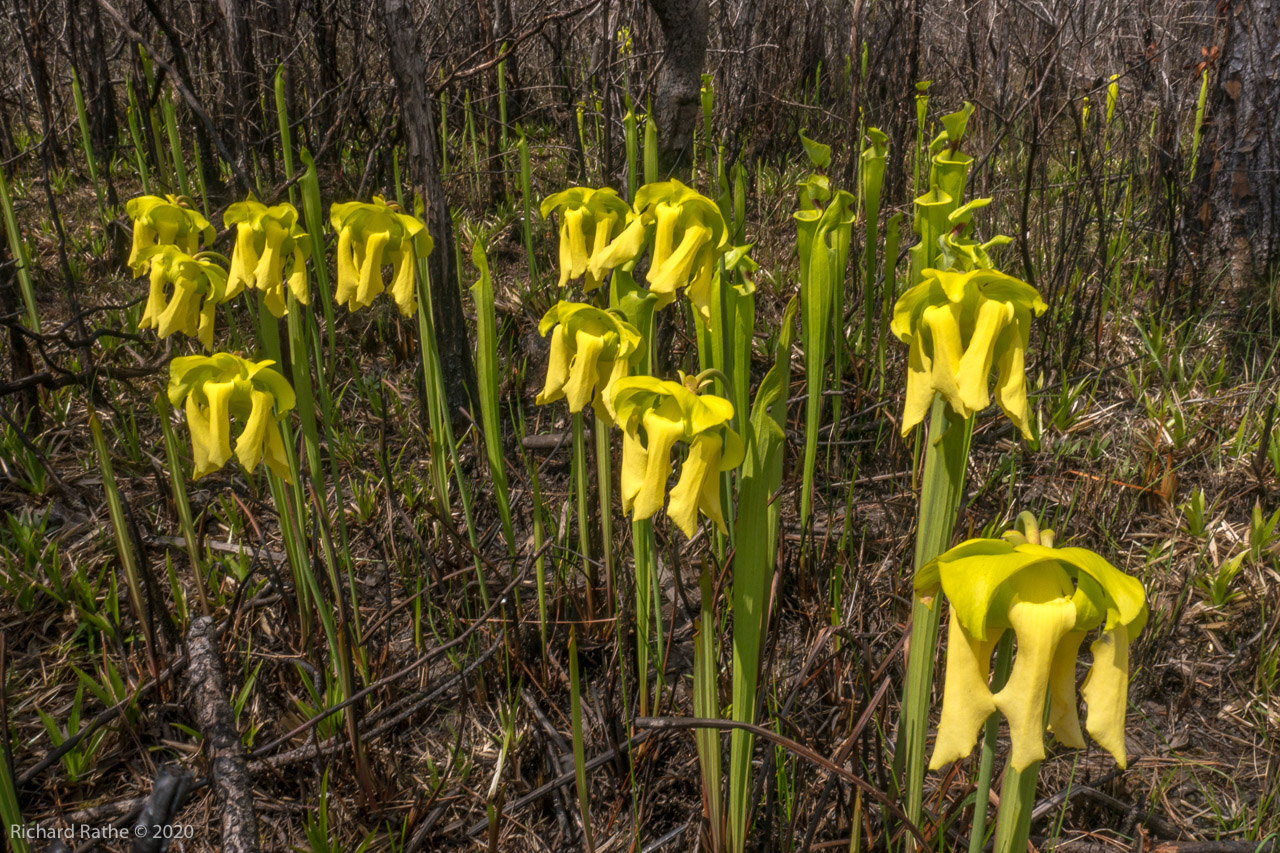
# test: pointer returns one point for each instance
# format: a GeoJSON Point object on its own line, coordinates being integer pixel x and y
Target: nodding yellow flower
{"type": "Point", "coordinates": [221, 386]}
{"type": "Point", "coordinates": [590, 350]}
{"type": "Point", "coordinates": [167, 221]}
{"type": "Point", "coordinates": [369, 237]}
{"type": "Point", "coordinates": [598, 231]}
{"type": "Point", "coordinates": [198, 285]}
{"type": "Point", "coordinates": [961, 325]}
{"type": "Point", "coordinates": [270, 249]}
{"type": "Point", "coordinates": [1113, 94]}
{"type": "Point", "coordinates": [1051, 598]}
{"type": "Point", "coordinates": [689, 237]}
{"type": "Point", "coordinates": [654, 415]}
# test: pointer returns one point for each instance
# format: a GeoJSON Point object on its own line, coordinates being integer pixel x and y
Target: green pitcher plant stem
{"type": "Point", "coordinates": [487, 379]}
{"type": "Point", "coordinates": [22, 259]}
{"type": "Point", "coordinates": [753, 566]}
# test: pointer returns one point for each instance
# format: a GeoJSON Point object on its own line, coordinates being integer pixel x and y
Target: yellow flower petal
{"type": "Point", "coordinates": [943, 325]}
{"type": "Point", "coordinates": [249, 445]}
{"type": "Point", "coordinates": [635, 461]}
{"type": "Point", "coordinates": [210, 428]}
{"type": "Point", "coordinates": [557, 367]}
{"type": "Point", "coordinates": [1041, 615]}
{"type": "Point", "coordinates": [371, 268]}
{"type": "Point", "coordinates": [348, 277]}
{"type": "Point", "coordinates": [919, 386]}
{"type": "Point", "coordinates": [663, 427]}
{"type": "Point", "coordinates": [1064, 719]}
{"type": "Point", "coordinates": [1106, 691]}
{"type": "Point", "coordinates": [1011, 383]}
{"type": "Point", "coordinates": [699, 486]}
{"type": "Point", "coordinates": [402, 287]}
{"type": "Point", "coordinates": [966, 698]}
{"type": "Point", "coordinates": [583, 370]}
{"type": "Point", "coordinates": [975, 365]}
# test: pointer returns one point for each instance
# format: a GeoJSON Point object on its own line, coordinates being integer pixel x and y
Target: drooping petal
{"type": "Point", "coordinates": [702, 464]}
{"type": "Point", "coordinates": [402, 287]}
{"type": "Point", "coordinates": [210, 428]}
{"type": "Point", "coordinates": [371, 268]}
{"type": "Point", "coordinates": [348, 278]}
{"type": "Point", "coordinates": [1106, 692]}
{"type": "Point", "coordinates": [157, 301]}
{"type": "Point", "coordinates": [1011, 382]}
{"type": "Point", "coordinates": [1040, 615]}
{"type": "Point", "coordinates": [635, 460]}
{"type": "Point", "coordinates": [919, 386]}
{"type": "Point", "coordinates": [1064, 718]}
{"type": "Point", "coordinates": [975, 365]}
{"type": "Point", "coordinates": [557, 367]}
{"type": "Point", "coordinates": [249, 446]}
{"type": "Point", "coordinates": [678, 267]}
{"type": "Point", "coordinates": [663, 427]}
{"type": "Point", "coordinates": [583, 375]}
{"type": "Point", "coordinates": [966, 699]}
{"type": "Point", "coordinates": [943, 325]}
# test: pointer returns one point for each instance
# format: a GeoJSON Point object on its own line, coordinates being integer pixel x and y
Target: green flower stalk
{"type": "Point", "coordinates": [271, 250]}
{"type": "Point", "coordinates": [167, 221]}
{"type": "Point", "coordinates": [654, 415]}
{"type": "Point", "coordinates": [958, 325]}
{"type": "Point", "coordinates": [689, 236]}
{"type": "Point", "coordinates": [591, 349]}
{"type": "Point", "coordinates": [198, 285]}
{"type": "Point", "coordinates": [598, 231]}
{"type": "Point", "coordinates": [219, 387]}
{"type": "Point", "coordinates": [369, 237]}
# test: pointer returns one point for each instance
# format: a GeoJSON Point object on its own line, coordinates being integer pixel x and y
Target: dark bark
{"type": "Point", "coordinates": [89, 54]}
{"type": "Point", "coordinates": [241, 80]}
{"type": "Point", "coordinates": [1233, 207]}
{"type": "Point", "coordinates": [29, 32]}
{"type": "Point", "coordinates": [677, 102]}
{"type": "Point", "coordinates": [422, 169]}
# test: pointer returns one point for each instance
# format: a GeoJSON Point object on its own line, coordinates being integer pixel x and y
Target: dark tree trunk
{"type": "Point", "coordinates": [677, 102]}
{"type": "Point", "coordinates": [1233, 207]}
{"type": "Point", "coordinates": [241, 95]}
{"type": "Point", "coordinates": [88, 51]}
{"type": "Point", "coordinates": [422, 168]}
{"type": "Point", "coordinates": [29, 31]}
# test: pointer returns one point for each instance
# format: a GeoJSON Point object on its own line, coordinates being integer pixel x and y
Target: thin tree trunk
{"type": "Point", "coordinates": [240, 79]}
{"type": "Point", "coordinates": [422, 169]}
{"type": "Point", "coordinates": [677, 101]}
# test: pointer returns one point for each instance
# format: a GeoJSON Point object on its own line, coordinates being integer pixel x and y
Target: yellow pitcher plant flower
{"type": "Point", "coordinates": [959, 325]}
{"type": "Point", "coordinates": [654, 414]}
{"type": "Point", "coordinates": [198, 283]}
{"type": "Point", "coordinates": [590, 350]}
{"type": "Point", "coordinates": [688, 238]}
{"type": "Point", "coordinates": [598, 231]}
{"type": "Point", "coordinates": [271, 249]}
{"type": "Point", "coordinates": [1051, 598]}
{"type": "Point", "coordinates": [221, 386]}
{"type": "Point", "coordinates": [167, 221]}
{"type": "Point", "coordinates": [369, 237]}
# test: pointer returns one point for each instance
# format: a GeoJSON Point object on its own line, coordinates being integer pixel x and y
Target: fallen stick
{"type": "Point", "coordinates": [229, 772]}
